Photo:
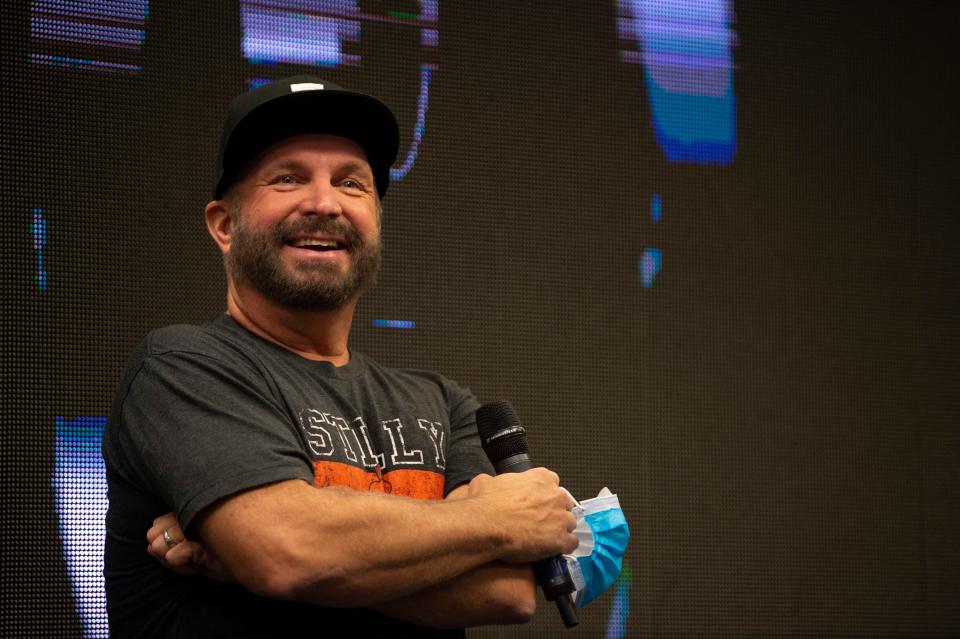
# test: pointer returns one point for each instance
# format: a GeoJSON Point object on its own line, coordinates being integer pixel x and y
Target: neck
{"type": "Point", "coordinates": [315, 335]}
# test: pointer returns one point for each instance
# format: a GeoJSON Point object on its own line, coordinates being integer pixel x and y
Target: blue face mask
{"type": "Point", "coordinates": [603, 532]}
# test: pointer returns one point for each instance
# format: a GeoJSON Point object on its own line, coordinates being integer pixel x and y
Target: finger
{"type": "Point", "coordinates": [572, 501]}
{"type": "Point", "coordinates": [174, 533]}
{"type": "Point", "coordinates": [571, 544]}
{"type": "Point", "coordinates": [481, 480]}
{"type": "Point", "coordinates": [166, 519]}
{"type": "Point", "coordinates": [161, 523]}
{"type": "Point", "coordinates": [546, 475]}
{"type": "Point", "coordinates": [154, 531]}
{"type": "Point", "coordinates": [158, 547]}
{"type": "Point", "coordinates": [184, 554]}
{"type": "Point", "coordinates": [477, 484]}
{"type": "Point", "coordinates": [571, 523]}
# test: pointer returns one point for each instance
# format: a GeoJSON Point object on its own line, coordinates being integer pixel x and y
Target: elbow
{"type": "Point", "coordinates": [512, 597]}
{"type": "Point", "coordinates": [519, 609]}
{"type": "Point", "coordinates": [513, 605]}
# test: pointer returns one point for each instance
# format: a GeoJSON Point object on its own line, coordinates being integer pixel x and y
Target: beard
{"type": "Point", "coordinates": [255, 259]}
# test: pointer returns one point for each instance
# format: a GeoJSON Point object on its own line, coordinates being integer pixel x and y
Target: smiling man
{"type": "Point", "coordinates": [306, 239]}
{"type": "Point", "coordinates": [287, 483]}
{"type": "Point", "coordinates": [314, 261]}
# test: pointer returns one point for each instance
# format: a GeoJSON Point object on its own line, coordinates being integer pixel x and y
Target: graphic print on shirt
{"type": "Point", "coordinates": [411, 464]}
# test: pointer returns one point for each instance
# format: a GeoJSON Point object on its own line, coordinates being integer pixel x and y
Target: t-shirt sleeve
{"type": "Point", "coordinates": [465, 457]}
{"type": "Point", "coordinates": [195, 429]}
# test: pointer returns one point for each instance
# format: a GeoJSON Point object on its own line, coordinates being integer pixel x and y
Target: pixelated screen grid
{"type": "Point", "coordinates": [649, 305]}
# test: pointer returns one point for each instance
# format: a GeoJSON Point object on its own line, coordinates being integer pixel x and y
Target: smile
{"type": "Point", "coordinates": [317, 244]}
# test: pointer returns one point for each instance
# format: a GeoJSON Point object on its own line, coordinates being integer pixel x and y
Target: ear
{"type": "Point", "coordinates": [219, 224]}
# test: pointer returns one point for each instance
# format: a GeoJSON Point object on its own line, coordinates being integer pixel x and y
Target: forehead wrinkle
{"type": "Point", "coordinates": [301, 151]}
{"type": "Point", "coordinates": [298, 165]}
{"type": "Point", "coordinates": [283, 164]}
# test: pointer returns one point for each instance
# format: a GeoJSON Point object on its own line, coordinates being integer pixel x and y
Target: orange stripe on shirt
{"type": "Point", "coordinates": [419, 484]}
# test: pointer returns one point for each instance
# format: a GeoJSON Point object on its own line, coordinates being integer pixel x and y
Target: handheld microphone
{"type": "Point", "coordinates": [505, 442]}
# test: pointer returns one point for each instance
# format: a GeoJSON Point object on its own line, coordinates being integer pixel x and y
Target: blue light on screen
{"type": "Point", "coordinates": [256, 83]}
{"type": "Point", "coordinates": [131, 11]}
{"type": "Point", "coordinates": [38, 229]}
{"type": "Point", "coordinates": [80, 491]}
{"type": "Point", "coordinates": [423, 99]}
{"type": "Point", "coordinates": [649, 267]}
{"type": "Point", "coordinates": [686, 49]}
{"type": "Point", "coordinates": [63, 62]}
{"type": "Point", "coordinates": [393, 323]}
{"type": "Point", "coordinates": [300, 32]}
{"type": "Point", "coordinates": [116, 28]}
{"type": "Point", "coordinates": [620, 608]}
{"type": "Point", "coordinates": [656, 208]}
{"type": "Point", "coordinates": [62, 30]}
{"type": "Point", "coordinates": [327, 33]}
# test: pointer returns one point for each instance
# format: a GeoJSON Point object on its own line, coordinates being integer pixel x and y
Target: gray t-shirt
{"type": "Point", "coordinates": [202, 413]}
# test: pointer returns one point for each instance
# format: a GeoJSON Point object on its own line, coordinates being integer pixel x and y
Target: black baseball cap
{"type": "Point", "coordinates": [305, 104]}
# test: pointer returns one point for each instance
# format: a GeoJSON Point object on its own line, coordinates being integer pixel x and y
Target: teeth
{"type": "Point", "coordinates": [305, 243]}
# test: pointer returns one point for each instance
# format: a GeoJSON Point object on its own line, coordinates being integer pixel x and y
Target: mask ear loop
{"type": "Point", "coordinates": [573, 566]}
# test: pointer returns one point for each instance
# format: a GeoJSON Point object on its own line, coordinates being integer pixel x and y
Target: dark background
{"type": "Point", "coordinates": [778, 413]}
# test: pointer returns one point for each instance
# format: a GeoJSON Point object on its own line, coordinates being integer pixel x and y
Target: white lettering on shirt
{"type": "Point", "coordinates": [318, 437]}
{"type": "Point", "coordinates": [435, 431]}
{"type": "Point", "coordinates": [401, 456]}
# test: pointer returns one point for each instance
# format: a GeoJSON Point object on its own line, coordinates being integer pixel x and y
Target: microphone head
{"type": "Point", "coordinates": [501, 434]}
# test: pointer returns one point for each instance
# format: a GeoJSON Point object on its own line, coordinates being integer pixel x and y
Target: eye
{"type": "Point", "coordinates": [351, 183]}
{"type": "Point", "coordinates": [286, 178]}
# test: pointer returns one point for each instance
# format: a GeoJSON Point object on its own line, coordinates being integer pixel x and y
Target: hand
{"type": "Point", "coordinates": [534, 511]}
{"type": "Point", "coordinates": [183, 556]}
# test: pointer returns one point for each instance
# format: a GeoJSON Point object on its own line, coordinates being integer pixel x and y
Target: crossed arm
{"type": "Point", "coordinates": [463, 561]}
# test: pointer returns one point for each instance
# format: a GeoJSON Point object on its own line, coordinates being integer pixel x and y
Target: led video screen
{"type": "Point", "coordinates": [706, 248]}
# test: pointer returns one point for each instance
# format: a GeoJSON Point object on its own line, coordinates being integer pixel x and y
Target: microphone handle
{"type": "Point", "coordinates": [551, 573]}
{"type": "Point", "coordinates": [514, 464]}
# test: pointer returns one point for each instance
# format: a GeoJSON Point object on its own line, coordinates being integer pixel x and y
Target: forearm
{"type": "Point", "coordinates": [495, 593]}
{"type": "Point", "coordinates": [337, 547]}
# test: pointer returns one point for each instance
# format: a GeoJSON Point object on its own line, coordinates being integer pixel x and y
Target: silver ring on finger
{"type": "Point", "coordinates": [168, 540]}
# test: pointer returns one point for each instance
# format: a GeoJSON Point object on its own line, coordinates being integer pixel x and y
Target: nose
{"type": "Point", "coordinates": [320, 198]}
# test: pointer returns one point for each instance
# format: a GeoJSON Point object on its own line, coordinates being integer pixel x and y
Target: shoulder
{"type": "Point", "coordinates": [209, 339]}
{"type": "Point", "coordinates": [183, 354]}
{"type": "Point", "coordinates": [222, 340]}
{"type": "Point", "coordinates": [176, 338]}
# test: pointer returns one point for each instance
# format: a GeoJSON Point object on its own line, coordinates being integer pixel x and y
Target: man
{"type": "Point", "coordinates": [325, 493]}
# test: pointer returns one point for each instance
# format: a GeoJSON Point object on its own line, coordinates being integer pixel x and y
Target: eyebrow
{"type": "Point", "coordinates": [297, 165]}
{"type": "Point", "coordinates": [357, 167]}
{"type": "Point", "coordinates": [283, 165]}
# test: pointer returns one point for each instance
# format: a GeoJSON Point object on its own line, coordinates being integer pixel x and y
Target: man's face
{"type": "Point", "coordinates": [306, 224]}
